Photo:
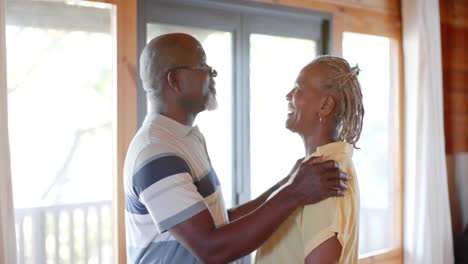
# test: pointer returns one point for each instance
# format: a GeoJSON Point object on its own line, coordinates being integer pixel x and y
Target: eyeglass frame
{"type": "Point", "coordinates": [211, 71]}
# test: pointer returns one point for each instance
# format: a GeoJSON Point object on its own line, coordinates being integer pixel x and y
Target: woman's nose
{"type": "Point", "coordinates": [289, 95]}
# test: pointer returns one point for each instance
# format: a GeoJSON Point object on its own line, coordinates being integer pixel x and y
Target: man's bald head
{"type": "Point", "coordinates": [165, 52]}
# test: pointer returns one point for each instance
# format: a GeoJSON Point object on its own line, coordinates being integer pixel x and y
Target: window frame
{"type": "Point", "coordinates": [124, 25]}
{"type": "Point", "coordinates": [395, 121]}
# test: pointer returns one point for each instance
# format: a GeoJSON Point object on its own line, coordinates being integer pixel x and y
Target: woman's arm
{"type": "Point", "coordinates": [328, 252]}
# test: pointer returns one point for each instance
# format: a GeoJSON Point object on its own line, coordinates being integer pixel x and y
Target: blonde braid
{"type": "Point", "coordinates": [342, 80]}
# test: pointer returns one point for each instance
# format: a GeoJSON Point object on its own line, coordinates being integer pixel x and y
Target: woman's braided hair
{"type": "Point", "coordinates": [342, 80]}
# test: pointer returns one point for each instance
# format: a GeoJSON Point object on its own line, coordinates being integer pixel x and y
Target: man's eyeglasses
{"type": "Point", "coordinates": [210, 70]}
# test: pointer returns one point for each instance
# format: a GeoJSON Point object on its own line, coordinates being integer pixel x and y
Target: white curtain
{"type": "Point", "coordinates": [427, 224]}
{"type": "Point", "coordinates": [7, 224]}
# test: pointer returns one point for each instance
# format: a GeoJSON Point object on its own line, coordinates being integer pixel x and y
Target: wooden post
{"type": "Point", "coordinates": [125, 105]}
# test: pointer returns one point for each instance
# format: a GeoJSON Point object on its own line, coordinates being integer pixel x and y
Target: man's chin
{"type": "Point", "coordinates": [212, 103]}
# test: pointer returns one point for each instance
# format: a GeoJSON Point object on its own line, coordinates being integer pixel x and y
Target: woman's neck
{"type": "Point", "coordinates": [312, 142]}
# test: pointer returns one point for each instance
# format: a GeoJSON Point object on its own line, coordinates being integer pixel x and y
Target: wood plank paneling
{"type": "Point", "coordinates": [369, 22]}
{"type": "Point", "coordinates": [454, 47]}
{"type": "Point", "coordinates": [390, 7]}
{"type": "Point", "coordinates": [454, 35]}
{"type": "Point", "coordinates": [456, 132]}
{"type": "Point", "coordinates": [455, 80]}
{"type": "Point", "coordinates": [456, 104]}
{"type": "Point", "coordinates": [454, 12]}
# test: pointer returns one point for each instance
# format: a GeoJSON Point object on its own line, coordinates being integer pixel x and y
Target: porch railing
{"type": "Point", "coordinates": [72, 233]}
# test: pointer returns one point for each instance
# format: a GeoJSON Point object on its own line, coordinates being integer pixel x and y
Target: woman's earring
{"type": "Point", "coordinates": [320, 120]}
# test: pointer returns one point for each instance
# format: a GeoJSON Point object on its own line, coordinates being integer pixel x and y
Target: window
{"type": "Point", "coordinates": [244, 45]}
{"type": "Point", "coordinates": [272, 75]}
{"type": "Point", "coordinates": [376, 161]}
{"type": "Point", "coordinates": [60, 90]}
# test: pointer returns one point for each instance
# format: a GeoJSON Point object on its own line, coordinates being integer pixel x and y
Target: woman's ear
{"type": "Point", "coordinates": [172, 81]}
{"type": "Point", "coordinates": [327, 105]}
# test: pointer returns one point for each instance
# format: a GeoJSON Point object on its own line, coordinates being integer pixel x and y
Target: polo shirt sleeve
{"type": "Point", "coordinates": [320, 222]}
{"type": "Point", "coordinates": [166, 191]}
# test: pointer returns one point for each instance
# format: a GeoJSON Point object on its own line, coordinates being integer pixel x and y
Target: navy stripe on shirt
{"type": "Point", "coordinates": [157, 170]}
{"type": "Point", "coordinates": [207, 185]}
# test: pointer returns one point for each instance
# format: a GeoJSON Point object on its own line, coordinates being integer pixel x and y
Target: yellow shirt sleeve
{"type": "Point", "coordinates": [323, 220]}
{"type": "Point", "coordinates": [320, 222]}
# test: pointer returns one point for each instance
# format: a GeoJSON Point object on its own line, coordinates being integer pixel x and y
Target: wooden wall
{"type": "Point", "coordinates": [454, 29]}
{"type": "Point", "coordinates": [454, 33]}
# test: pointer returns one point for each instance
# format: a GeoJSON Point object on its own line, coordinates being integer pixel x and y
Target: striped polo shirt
{"type": "Point", "coordinates": [168, 178]}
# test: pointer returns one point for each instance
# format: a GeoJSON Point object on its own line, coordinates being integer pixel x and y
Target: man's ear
{"type": "Point", "coordinates": [172, 81]}
{"type": "Point", "coordinates": [327, 105]}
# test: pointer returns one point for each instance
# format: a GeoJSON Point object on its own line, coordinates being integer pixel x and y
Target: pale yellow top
{"type": "Point", "coordinates": [308, 227]}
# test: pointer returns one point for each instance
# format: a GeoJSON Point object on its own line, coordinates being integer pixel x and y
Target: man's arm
{"type": "Point", "coordinates": [246, 208]}
{"type": "Point", "coordinates": [199, 234]}
{"type": "Point", "coordinates": [328, 252]}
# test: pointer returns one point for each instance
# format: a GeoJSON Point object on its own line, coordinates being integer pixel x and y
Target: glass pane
{"type": "Point", "coordinates": [372, 160]}
{"type": "Point", "coordinates": [215, 125]}
{"type": "Point", "coordinates": [60, 119]}
{"type": "Point", "coordinates": [274, 149]}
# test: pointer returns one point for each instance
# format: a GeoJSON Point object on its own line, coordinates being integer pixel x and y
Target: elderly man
{"type": "Point", "coordinates": [175, 211]}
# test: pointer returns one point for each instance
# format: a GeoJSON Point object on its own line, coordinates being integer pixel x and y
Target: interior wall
{"type": "Point", "coordinates": [454, 30]}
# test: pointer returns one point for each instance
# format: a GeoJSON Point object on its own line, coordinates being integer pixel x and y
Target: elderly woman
{"type": "Point", "coordinates": [326, 110]}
